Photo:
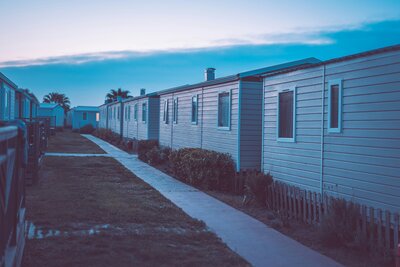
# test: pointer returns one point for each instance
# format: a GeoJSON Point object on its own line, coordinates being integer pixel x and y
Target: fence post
{"type": "Point", "coordinates": [372, 225]}
{"type": "Point", "coordinates": [396, 234]}
{"type": "Point", "coordinates": [364, 221]}
{"type": "Point", "coordinates": [309, 204]}
{"type": "Point", "coordinates": [379, 218]}
{"type": "Point", "coordinates": [387, 230]}
{"type": "Point", "coordinates": [290, 202]}
{"type": "Point", "coordinates": [304, 206]}
{"type": "Point", "coordinates": [319, 208]}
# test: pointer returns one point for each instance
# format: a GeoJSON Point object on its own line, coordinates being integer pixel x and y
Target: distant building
{"type": "Point", "coordinates": [53, 111]}
{"type": "Point", "coordinates": [83, 115]}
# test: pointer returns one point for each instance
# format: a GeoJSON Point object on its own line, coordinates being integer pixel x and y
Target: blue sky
{"type": "Point", "coordinates": [85, 48]}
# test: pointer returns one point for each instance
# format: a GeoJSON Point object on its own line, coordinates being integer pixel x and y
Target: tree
{"type": "Point", "coordinates": [58, 98]}
{"type": "Point", "coordinates": [113, 94]}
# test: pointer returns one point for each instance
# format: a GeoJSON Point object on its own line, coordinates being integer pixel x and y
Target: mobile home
{"type": "Point", "coordinates": [26, 105]}
{"type": "Point", "coordinates": [141, 117]}
{"type": "Point", "coordinates": [7, 98]}
{"type": "Point", "coordinates": [83, 115]}
{"type": "Point", "coordinates": [334, 127]}
{"type": "Point", "coordinates": [221, 114]}
{"type": "Point", "coordinates": [114, 116]}
{"type": "Point", "coordinates": [53, 111]}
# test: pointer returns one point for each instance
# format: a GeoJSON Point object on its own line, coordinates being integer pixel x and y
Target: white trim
{"type": "Point", "coordinates": [195, 122]}
{"type": "Point", "coordinates": [225, 128]}
{"type": "Point", "coordinates": [175, 108]}
{"type": "Point", "coordinates": [285, 139]}
{"type": "Point", "coordinates": [331, 83]}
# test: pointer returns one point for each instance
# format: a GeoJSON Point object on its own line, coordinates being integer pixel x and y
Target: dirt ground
{"type": "Point", "coordinates": [305, 234]}
{"type": "Point", "coordinates": [93, 212]}
{"type": "Point", "coordinates": [69, 142]}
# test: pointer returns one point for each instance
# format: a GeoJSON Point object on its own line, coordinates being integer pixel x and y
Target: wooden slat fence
{"type": "Point", "coordinates": [12, 197]}
{"type": "Point", "coordinates": [379, 227]}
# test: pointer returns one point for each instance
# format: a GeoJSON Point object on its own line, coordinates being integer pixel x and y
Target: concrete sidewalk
{"type": "Point", "coordinates": [257, 243]}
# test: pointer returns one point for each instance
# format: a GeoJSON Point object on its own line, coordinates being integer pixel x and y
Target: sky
{"type": "Point", "coordinates": [85, 48]}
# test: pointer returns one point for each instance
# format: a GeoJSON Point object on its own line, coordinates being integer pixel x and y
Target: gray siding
{"type": "Point", "coordinates": [138, 129]}
{"type": "Point", "coordinates": [103, 116]}
{"type": "Point", "coordinates": [205, 134]}
{"type": "Point", "coordinates": [250, 125]}
{"type": "Point", "coordinates": [153, 114]}
{"type": "Point", "coordinates": [114, 124]}
{"type": "Point", "coordinates": [362, 163]}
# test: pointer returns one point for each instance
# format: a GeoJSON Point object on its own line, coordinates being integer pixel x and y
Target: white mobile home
{"type": "Point", "coordinates": [26, 105]}
{"type": "Point", "coordinates": [53, 111]}
{"type": "Point", "coordinates": [221, 114]}
{"type": "Point", "coordinates": [7, 98]}
{"type": "Point", "coordinates": [335, 127]}
{"type": "Point", "coordinates": [83, 115]}
{"type": "Point", "coordinates": [114, 116]}
{"type": "Point", "coordinates": [141, 117]}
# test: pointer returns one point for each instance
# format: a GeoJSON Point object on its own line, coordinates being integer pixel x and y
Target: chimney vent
{"type": "Point", "coordinates": [142, 91]}
{"type": "Point", "coordinates": [209, 74]}
{"type": "Point", "coordinates": [119, 98]}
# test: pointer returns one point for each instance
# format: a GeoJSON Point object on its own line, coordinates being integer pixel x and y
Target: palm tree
{"type": "Point", "coordinates": [58, 98]}
{"type": "Point", "coordinates": [114, 94]}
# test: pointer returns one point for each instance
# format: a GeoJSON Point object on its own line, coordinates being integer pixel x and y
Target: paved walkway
{"type": "Point", "coordinates": [251, 239]}
{"type": "Point", "coordinates": [76, 155]}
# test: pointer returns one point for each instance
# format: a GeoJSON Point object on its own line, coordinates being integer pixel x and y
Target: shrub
{"type": "Point", "coordinates": [145, 146]}
{"type": "Point", "coordinates": [204, 168]}
{"type": "Point", "coordinates": [107, 135]}
{"type": "Point", "coordinates": [256, 184]}
{"type": "Point", "coordinates": [87, 129]}
{"type": "Point", "coordinates": [338, 227]}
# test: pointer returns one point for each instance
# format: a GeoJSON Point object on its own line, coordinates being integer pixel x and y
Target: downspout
{"type": "Point", "coordinates": [239, 124]}
{"type": "Point", "coordinates": [202, 112]}
{"type": "Point", "coordinates": [172, 121]}
{"type": "Point", "coordinates": [262, 125]}
{"type": "Point", "coordinates": [322, 133]}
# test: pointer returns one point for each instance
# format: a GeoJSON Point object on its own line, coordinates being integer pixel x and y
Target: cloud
{"type": "Point", "coordinates": [300, 36]}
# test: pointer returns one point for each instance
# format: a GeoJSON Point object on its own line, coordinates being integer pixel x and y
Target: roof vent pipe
{"type": "Point", "coordinates": [209, 74]}
{"type": "Point", "coordinates": [142, 91]}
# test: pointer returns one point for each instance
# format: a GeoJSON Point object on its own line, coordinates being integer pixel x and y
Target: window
{"type": "Point", "coordinates": [115, 112]}
{"type": "Point", "coordinates": [97, 116]}
{"type": "Point", "coordinates": [194, 109]}
{"type": "Point", "coordinates": [165, 117]}
{"type": "Point", "coordinates": [6, 104]}
{"type": "Point", "coordinates": [135, 112]}
{"type": "Point", "coordinates": [84, 116]}
{"type": "Point", "coordinates": [129, 113]}
{"type": "Point", "coordinates": [286, 115]}
{"type": "Point", "coordinates": [224, 110]}
{"type": "Point", "coordinates": [335, 106]}
{"type": "Point", "coordinates": [144, 112]}
{"type": "Point", "coordinates": [118, 112]}
{"type": "Point", "coordinates": [175, 111]}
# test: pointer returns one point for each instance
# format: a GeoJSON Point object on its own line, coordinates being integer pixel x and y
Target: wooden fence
{"type": "Point", "coordinates": [380, 228]}
{"type": "Point", "coordinates": [12, 197]}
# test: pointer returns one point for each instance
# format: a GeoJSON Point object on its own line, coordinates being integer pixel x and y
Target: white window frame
{"type": "Point", "coordinates": [175, 111]}
{"type": "Point", "coordinates": [293, 138]}
{"type": "Point", "coordinates": [166, 111]}
{"type": "Point", "coordinates": [195, 121]}
{"type": "Point", "coordinates": [339, 83]}
{"type": "Point", "coordinates": [145, 117]}
{"type": "Point", "coordinates": [225, 128]}
{"type": "Point", "coordinates": [135, 112]}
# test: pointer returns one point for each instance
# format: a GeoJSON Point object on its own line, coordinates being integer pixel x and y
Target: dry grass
{"type": "Point", "coordinates": [145, 228]}
{"type": "Point", "coordinates": [69, 142]}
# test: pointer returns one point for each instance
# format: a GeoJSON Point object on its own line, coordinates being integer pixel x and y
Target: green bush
{"type": "Point", "coordinates": [256, 184]}
{"type": "Point", "coordinates": [87, 129]}
{"type": "Point", "coordinates": [145, 146]}
{"type": "Point", "coordinates": [203, 168]}
{"type": "Point", "coordinates": [338, 227]}
{"type": "Point", "coordinates": [107, 135]}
